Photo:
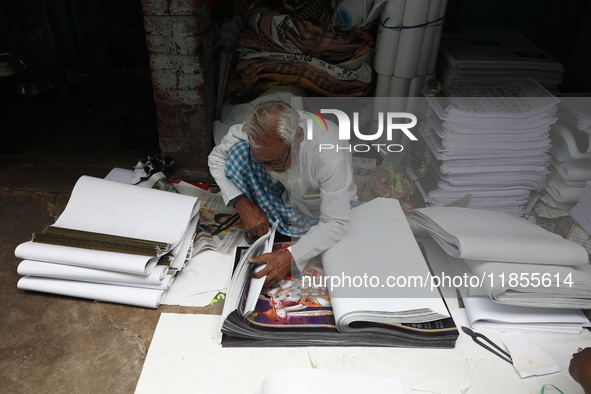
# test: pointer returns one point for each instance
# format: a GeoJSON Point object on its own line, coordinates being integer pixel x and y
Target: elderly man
{"type": "Point", "coordinates": [269, 170]}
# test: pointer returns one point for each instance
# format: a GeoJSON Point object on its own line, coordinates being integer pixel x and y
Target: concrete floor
{"type": "Point", "coordinates": [56, 344]}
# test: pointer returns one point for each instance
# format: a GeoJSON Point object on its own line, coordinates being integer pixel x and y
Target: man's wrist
{"type": "Point", "coordinates": [232, 202]}
{"type": "Point", "coordinates": [287, 252]}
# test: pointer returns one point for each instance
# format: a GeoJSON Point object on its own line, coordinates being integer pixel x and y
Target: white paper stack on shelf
{"type": "Point", "coordinates": [406, 51]}
{"type": "Point", "coordinates": [571, 153]}
{"type": "Point", "coordinates": [114, 242]}
{"type": "Point", "coordinates": [515, 261]}
{"type": "Point", "coordinates": [582, 211]}
{"type": "Point", "coordinates": [475, 55]}
{"type": "Point", "coordinates": [491, 143]}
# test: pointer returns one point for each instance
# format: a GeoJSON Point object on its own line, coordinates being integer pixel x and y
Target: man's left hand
{"type": "Point", "coordinates": [278, 266]}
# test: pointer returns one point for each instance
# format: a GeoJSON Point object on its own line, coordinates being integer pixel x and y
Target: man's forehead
{"type": "Point", "coordinates": [271, 141]}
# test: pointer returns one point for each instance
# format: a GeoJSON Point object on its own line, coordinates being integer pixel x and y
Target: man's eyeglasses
{"type": "Point", "coordinates": [268, 163]}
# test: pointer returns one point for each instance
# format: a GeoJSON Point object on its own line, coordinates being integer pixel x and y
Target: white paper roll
{"type": "Point", "coordinates": [146, 298]}
{"type": "Point", "coordinates": [393, 11]}
{"type": "Point", "coordinates": [415, 86]}
{"type": "Point", "coordinates": [386, 48]}
{"type": "Point", "coordinates": [387, 39]}
{"type": "Point", "coordinates": [383, 85]}
{"type": "Point", "coordinates": [427, 46]}
{"type": "Point", "coordinates": [414, 95]}
{"type": "Point", "coordinates": [398, 99]}
{"type": "Point", "coordinates": [409, 44]}
{"type": "Point", "coordinates": [380, 102]}
{"type": "Point", "coordinates": [399, 87]}
{"type": "Point", "coordinates": [436, 40]}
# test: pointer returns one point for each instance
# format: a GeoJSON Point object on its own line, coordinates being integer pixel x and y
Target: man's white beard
{"type": "Point", "coordinates": [286, 177]}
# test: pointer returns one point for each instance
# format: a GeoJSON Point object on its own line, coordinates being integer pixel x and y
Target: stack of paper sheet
{"type": "Point", "coordinates": [510, 259]}
{"type": "Point", "coordinates": [571, 153]}
{"type": "Point", "coordinates": [476, 55]}
{"type": "Point", "coordinates": [484, 313]}
{"type": "Point", "coordinates": [491, 143]}
{"type": "Point", "coordinates": [114, 242]}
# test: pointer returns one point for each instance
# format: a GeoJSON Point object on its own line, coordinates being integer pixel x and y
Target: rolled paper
{"type": "Point", "coordinates": [415, 86]}
{"type": "Point", "coordinates": [386, 48]}
{"type": "Point", "coordinates": [388, 37]}
{"type": "Point", "coordinates": [381, 95]}
{"type": "Point", "coordinates": [383, 85]}
{"type": "Point", "coordinates": [409, 44]}
{"type": "Point", "coordinates": [429, 36]}
{"type": "Point", "coordinates": [399, 88]}
{"type": "Point", "coordinates": [380, 103]}
{"type": "Point", "coordinates": [392, 13]}
{"type": "Point", "coordinates": [414, 95]}
{"type": "Point", "coordinates": [436, 39]}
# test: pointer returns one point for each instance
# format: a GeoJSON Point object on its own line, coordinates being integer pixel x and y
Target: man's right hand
{"type": "Point", "coordinates": [254, 220]}
{"type": "Point", "coordinates": [580, 369]}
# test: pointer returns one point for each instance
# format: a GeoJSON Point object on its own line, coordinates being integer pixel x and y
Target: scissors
{"type": "Point", "coordinates": [224, 226]}
{"type": "Point", "coordinates": [499, 352]}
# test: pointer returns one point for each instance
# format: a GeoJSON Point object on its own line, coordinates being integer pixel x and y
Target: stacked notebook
{"type": "Point", "coordinates": [490, 143]}
{"type": "Point", "coordinates": [512, 262]}
{"type": "Point", "coordinates": [312, 310]}
{"type": "Point", "coordinates": [114, 242]}
{"type": "Point", "coordinates": [475, 55]}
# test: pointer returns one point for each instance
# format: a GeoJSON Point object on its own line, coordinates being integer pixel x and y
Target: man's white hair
{"type": "Point", "coordinates": [275, 117]}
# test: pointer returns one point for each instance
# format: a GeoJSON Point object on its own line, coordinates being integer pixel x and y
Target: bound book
{"type": "Point", "coordinates": [372, 288]}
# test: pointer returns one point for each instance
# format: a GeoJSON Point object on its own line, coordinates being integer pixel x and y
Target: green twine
{"type": "Point", "coordinates": [557, 389]}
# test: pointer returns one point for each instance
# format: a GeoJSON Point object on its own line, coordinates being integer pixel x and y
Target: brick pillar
{"type": "Point", "coordinates": [179, 38]}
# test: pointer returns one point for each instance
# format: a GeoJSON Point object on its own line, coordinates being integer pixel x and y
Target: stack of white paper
{"type": "Point", "coordinates": [571, 150]}
{"type": "Point", "coordinates": [510, 259]}
{"type": "Point", "coordinates": [484, 313]}
{"type": "Point", "coordinates": [475, 55]}
{"type": "Point", "coordinates": [104, 212]}
{"type": "Point", "coordinates": [491, 143]}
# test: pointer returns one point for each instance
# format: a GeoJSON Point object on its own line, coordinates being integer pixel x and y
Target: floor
{"type": "Point", "coordinates": [56, 344]}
